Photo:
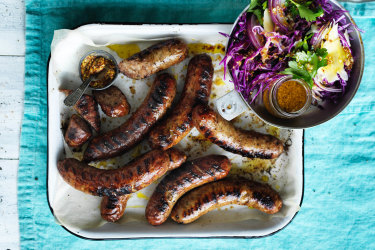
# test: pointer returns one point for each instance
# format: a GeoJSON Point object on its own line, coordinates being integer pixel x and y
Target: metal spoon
{"type": "Point", "coordinates": [73, 98]}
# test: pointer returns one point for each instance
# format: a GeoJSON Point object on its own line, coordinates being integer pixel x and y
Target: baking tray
{"type": "Point", "coordinates": [285, 174]}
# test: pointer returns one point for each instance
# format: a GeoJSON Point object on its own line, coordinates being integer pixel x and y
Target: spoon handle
{"type": "Point", "coordinates": [71, 99]}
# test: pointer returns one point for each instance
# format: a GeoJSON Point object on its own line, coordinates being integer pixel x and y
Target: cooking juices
{"type": "Point", "coordinates": [93, 65]}
{"type": "Point", "coordinates": [287, 97]}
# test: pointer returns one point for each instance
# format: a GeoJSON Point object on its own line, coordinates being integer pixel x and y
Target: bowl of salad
{"type": "Point", "coordinates": [295, 63]}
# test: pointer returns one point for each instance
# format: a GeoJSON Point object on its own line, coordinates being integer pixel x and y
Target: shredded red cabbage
{"type": "Point", "coordinates": [255, 60]}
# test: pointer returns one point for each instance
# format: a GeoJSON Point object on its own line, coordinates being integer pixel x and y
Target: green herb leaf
{"type": "Point", "coordinates": [307, 13]}
{"type": "Point", "coordinates": [253, 5]}
{"type": "Point", "coordinates": [256, 7]}
{"type": "Point", "coordinates": [306, 65]}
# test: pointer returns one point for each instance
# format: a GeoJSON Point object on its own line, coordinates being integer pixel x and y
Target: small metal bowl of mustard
{"type": "Point", "coordinates": [288, 103]}
{"type": "Point", "coordinates": [93, 63]}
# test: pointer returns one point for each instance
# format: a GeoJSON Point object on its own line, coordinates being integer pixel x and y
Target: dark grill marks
{"type": "Point", "coordinates": [130, 133]}
{"type": "Point", "coordinates": [178, 182]}
{"type": "Point", "coordinates": [223, 192]}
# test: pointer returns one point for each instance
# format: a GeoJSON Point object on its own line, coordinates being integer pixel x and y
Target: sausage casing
{"type": "Point", "coordinates": [112, 101]}
{"type": "Point", "coordinates": [78, 131]}
{"type": "Point", "coordinates": [197, 89]}
{"type": "Point", "coordinates": [112, 208]}
{"type": "Point", "coordinates": [158, 57]}
{"type": "Point", "coordinates": [224, 192]}
{"type": "Point", "coordinates": [136, 175]}
{"type": "Point", "coordinates": [121, 139]}
{"type": "Point", "coordinates": [246, 143]}
{"type": "Point", "coordinates": [178, 182]}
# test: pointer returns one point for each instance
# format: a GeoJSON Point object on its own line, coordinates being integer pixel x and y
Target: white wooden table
{"type": "Point", "coordinates": [12, 63]}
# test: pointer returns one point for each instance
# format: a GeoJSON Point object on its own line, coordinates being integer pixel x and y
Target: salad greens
{"type": "Point", "coordinates": [274, 38]}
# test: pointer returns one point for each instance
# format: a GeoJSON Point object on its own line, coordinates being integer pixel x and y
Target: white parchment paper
{"type": "Point", "coordinates": [75, 209]}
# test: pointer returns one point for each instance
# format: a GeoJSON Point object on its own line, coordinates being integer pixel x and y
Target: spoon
{"type": "Point", "coordinates": [73, 98]}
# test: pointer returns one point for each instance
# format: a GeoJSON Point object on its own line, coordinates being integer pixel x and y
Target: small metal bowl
{"type": "Point", "coordinates": [314, 115]}
{"type": "Point", "coordinates": [104, 54]}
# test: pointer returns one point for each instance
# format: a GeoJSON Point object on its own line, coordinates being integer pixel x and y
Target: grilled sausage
{"type": "Point", "coordinates": [87, 107]}
{"type": "Point", "coordinates": [113, 207]}
{"type": "Point", "coordinates": [136, 175]}
{"type": "Point", "coordinates": [246, 143]}
{"type": "Point", "coordinates": [154, 59]}
{"type": "Point", "coordinates": [112, 101]}
{"type": "Point", "coordinates": [224, 192]}
{"type": "Point", "coordinates": [178, 182]}
{"type": "Point", "coordinates": [197, 89]}
{"type": "Point", "coordinates": [121, 139]}
{"type": "Point", "coordinates": [78, 131]}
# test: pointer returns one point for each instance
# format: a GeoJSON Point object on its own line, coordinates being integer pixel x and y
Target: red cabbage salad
{"type": "Point", "coordinates": [308, 40]}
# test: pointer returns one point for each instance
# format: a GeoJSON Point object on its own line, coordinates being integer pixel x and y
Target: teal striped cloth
{"type": "Point", "coordinates": [339, 201]}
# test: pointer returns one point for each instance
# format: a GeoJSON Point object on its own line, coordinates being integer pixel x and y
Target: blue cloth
{"type": "Point", "coordinates": [338, 207]}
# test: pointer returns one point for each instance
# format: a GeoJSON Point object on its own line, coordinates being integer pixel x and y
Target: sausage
{"type": "Point", "coordinates": [124, 137]}
{"type": "Point", "coordinates": [87, 107]}
{"type": "Point", "coordinates": [246, 143]}
{"type": "Point", "coordinates": [78, 131]}
{"type": "Point", "coordinates": [136, 175]}
{"type": "Point", "coordinates": [178, 182]}
{"type": "Point", "coordinates": [197, 89]}
{"type": "Point", "coordinates": [224, 192]}
{"type": "Point", "coordinates": [112, 101]}
{"type": "Point", "coordinates": [112, 208]}
{"type": "Point", "coordinates": [158, 57]}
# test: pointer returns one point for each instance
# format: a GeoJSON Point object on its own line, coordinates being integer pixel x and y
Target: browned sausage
{"type": "Point", "coordinates": [197, 89]}
{"type": "Point", "coordinates": [154, 59]}
{"type": "Point", "coordinates": [113, 207]}
{"type": "Point", "coordinates": [176, 183]}
{"type": "Point", "coordinates": [123, 138]}
{"type": "Point", "coordinates": [246, 143]}
{"type": "Point", "coordinates": [136, 175]}
{"type": "Point", "coordinates": [224, 192]}
{"type": "Point", "coordinates": [112, 101]}
{"type": "Point", "coordinates": [78, 131]}
{"type": "Point", "coordinates": [87, 107]}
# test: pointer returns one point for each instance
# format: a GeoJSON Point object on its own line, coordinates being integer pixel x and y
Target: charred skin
{"type": "Point", "coordinates": [117, 141]}
{"type": "Point", "coordinates": [249, 144]}
{"type": "Point", "coordinates": [158, 57]}
{"type": "Point", "coordinates": [190, 175]}
{"type": "Point", "coordinates": [197, 89]}
{"type": "Point", "coordinates": [134, 176]}
{"type": "Point", "coordinates": [112, 101]}
{"type": "Point", "coordinates": [113, 207]}
{"type": "Point", "coordinates": [224, 192]}
{"type": "Point", "coordinates": [87, 107]}
{"type": "Point", "coordinates": [78, 131]}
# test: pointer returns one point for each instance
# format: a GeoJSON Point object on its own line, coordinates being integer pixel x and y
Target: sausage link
{"type": "Point", "coordinates": [224, 192]}
{"type": "Point", "coordinates": [136, 175]}
{"type": "Point", "coordinates": [158, 57]}
{"type": "Point", "coordinates": [246, 143]}
{"type": "Point", "coordinates": [121, 139]}
{"type": "Point", "coordinates": [178, 182]}
{"type": "Point", "coordinates": [197, 89]}
{"type": "Point", "coordinates": [113, 207]}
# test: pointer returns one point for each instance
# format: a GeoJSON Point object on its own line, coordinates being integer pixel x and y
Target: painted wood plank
{"type": "Point", "coordinates": [12, 27]}
{"type": "Point", "coordinates": [9, 227]}
{"type": "Point", "coordinates": [11, 105]}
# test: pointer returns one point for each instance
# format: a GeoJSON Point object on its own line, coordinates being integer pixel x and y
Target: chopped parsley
{"type": "Point", "coordinates": [257, 7]}
{"type": "Point", "coordinates": [306, 65]}
{"type": "Point", "coordinates": [304, 10]}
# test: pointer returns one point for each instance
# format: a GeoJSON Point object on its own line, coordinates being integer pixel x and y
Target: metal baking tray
{"type": "Point", "coordinates": [79, 214]}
